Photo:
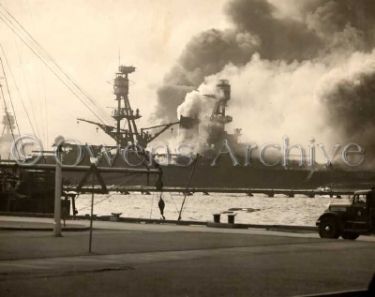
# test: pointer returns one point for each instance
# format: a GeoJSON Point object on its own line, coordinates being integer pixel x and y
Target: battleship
{"type": "Point", "coordinates": [223, 165]}
{"type": "Point", "coordinates": [22, 190]}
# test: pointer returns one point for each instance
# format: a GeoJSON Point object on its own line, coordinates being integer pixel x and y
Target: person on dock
{"type": "Point", "coordinates": [161, 205]}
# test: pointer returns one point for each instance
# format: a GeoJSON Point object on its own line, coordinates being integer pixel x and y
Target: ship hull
{"type": "Point", "coordinates": [202, 174]}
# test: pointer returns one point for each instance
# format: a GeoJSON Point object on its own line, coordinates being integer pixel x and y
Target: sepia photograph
{"type": "Point", "coordinates": [187, 148]}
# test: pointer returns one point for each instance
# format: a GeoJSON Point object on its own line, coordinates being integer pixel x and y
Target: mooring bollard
{"type": "Point", "coordinates": [216, 217]}
{"type": "Point", "coordinates": [115, 216]}
{"type": "Point", "coordinates": [231, 218]}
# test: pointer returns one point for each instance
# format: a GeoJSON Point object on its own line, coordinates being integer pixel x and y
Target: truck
{"type": "Point", "coordinates": [349, 220]}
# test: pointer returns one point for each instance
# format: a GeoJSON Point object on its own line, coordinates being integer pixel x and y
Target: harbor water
{"type": "Point", "coordinates": [257, 209]}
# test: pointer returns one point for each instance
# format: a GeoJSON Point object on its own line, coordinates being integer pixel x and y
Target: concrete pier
{"type": "Point", "coordinates": [270, 192]}
{"type": "Point", "coordinates": [169, 260]}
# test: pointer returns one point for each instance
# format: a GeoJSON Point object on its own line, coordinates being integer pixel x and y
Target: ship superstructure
{"type": "Point", "coordinates": [125, 131]}
{"type": "Point", "coordinates": [208, 175]}
{"type": "Point", "coordinates": [224, 174]}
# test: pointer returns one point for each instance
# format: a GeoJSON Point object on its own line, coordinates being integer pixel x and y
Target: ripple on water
{"type": "Point", "coordinates": [258, 209]}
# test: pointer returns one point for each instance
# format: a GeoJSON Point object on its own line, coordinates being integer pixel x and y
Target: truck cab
{"type": "Point", "coordinates": [349, 220]}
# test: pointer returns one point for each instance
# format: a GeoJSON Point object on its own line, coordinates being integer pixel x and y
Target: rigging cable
{"type": "Point", "coordinates": [39, 46]}
{"type": "Point", "coordinates": [18, 90]}
{"type": "Point", "coordinates": [174, 202]}
{"type": "Point", "coordinates": [9, 95]}
{"type": "Point", "coordinates": [49, 66]}
{"type": "Point", "coordinates": [41, 84]}
{"type": "Point", "coordinates": [187, 186]}
{"type": "Point", "coordinates": [27, 89]}
{"type": "Point", "coordinates": [50, 57]}
{"type": "Point", "coordinates": [75, 89]}
{"type": "Point", "coordinates": [7, 116]}
{"type": "Point", "coordinates": [152, 204]}
{"type": "Point", "coordinates": [96, 203]}
{"type": "Point", "coordinates": [36, 129]}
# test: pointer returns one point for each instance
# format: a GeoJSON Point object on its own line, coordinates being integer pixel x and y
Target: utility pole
{"type": "Point", "coordinates": [92, 209]}
{"type": "Point", "coordinates": [58, 188]}
{"type": "Point", "coordinates": [93, 172]}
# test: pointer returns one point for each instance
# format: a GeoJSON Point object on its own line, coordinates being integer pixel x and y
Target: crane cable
{"type": "Point", "coordinates": [75, 89]}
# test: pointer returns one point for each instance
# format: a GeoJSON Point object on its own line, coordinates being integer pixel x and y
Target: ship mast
{"type": "Point", "coordinates": [129, 135]}
{"type": "Point", "coordinates": [8, 119]}
{"type": "Point", "coordinates": [8, 124]}
{"type": "Point", "coordinates": [124, 110]}
{"type": "Point", "coordinates": [218, 115]}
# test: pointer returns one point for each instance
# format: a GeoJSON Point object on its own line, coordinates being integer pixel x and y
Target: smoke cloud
{"type": "Point", "coordinates": [349, 97]}
{"type": "Point", "coordinates": [204, 55]}
{"type": "Point", "coordinates": [305, 70]}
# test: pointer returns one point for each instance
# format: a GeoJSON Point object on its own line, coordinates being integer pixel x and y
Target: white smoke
{"type": "Point", "coordinates": [310, 75]}
{"type": "Point", "coordinates": [273, 99]}
{"type": "Point", "coordinates": [198, 105]}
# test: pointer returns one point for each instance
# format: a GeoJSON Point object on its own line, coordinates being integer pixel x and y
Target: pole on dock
{"type": "Point", "coordinates": [58, 189]}
{"type": "Point", "coordinates": [92, 211]}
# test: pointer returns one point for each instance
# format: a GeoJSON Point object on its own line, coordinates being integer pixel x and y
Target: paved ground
{"type": "Point", "coordinates": [157, 260]}
{"type": "Point", "coordinates": [38, 226]}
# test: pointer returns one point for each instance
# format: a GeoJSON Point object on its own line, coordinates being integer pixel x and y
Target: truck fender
{"type": "Point", "coordinates": [331, 215]}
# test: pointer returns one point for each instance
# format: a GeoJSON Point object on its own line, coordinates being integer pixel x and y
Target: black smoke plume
{"type": "Point", "coordinates": [350, 106]}
{"type": "Point", "coordinates": [316, 31]}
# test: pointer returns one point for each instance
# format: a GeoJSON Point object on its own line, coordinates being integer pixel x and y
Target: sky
{"type": "Point", "coordinates": [87, 38]}
{"type": "Point", "coordinates": [303, 69]}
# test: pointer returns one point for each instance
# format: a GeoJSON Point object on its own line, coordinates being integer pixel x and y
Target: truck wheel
{"type": "Point", "coordinates": [329, 228]}
{"type": "Point", "coordinates": [350, 235]}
